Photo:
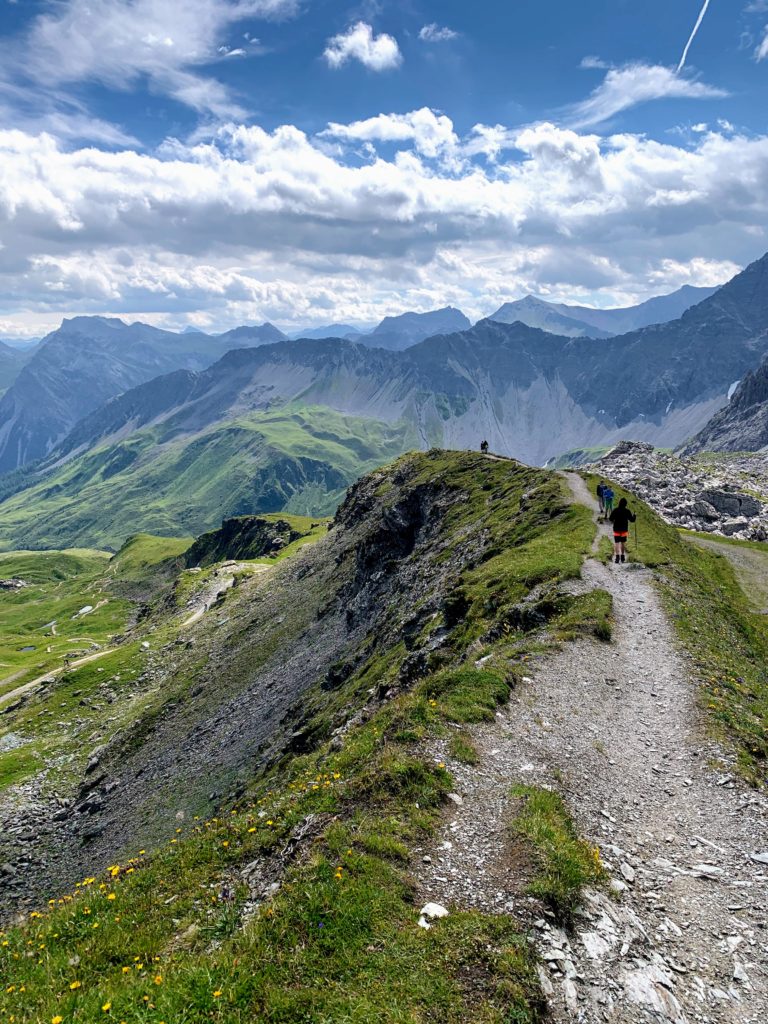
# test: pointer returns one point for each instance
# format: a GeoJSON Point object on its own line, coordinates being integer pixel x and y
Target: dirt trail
{"type": "Point", "coordinates": [751, 568]}
{"type": "Point", "coordinates": [6, 698]}
{"type": "Point", "coordinates": [616, 728]}
{"type": "Point", "coordinates": [218, 585]}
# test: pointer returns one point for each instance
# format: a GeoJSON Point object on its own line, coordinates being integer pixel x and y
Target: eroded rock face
{"type": "Point", "coordinates": [726, 495]}
{"type": "Point", "coordinates": [241, 537]}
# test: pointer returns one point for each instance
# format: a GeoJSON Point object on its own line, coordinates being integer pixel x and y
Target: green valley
{"type": "Point", "coordinates": [168, 482]}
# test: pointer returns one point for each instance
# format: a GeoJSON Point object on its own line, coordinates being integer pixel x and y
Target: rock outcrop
{"type": "Point", "coordinates": [722, 496]}
{"type": "Point", "coordinates": [241, 537]}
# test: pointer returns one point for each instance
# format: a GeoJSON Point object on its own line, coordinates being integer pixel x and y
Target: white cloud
{"type": "Point", "coordinates": [254, 224]}
{"type": "Point", "coordinates": [594, 63]}
{"type": "Point", "coordinates": [632, 84]}
{"type": "Point", "coordinates": [119, 42]}
{"type": "Point", "coordinates": [435, 33]}
{"type": "Point", "coordinates": [379, 53]}
{"type": "Point", "coordinates": [430, 133]}
{"type": "Point", "coordinates": [762, 50]}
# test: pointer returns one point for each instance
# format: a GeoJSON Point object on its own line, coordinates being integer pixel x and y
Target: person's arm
{"type": "Point", "coordinates": [613, 513]}
{"type": "Point", "coordinates": [632, 517]}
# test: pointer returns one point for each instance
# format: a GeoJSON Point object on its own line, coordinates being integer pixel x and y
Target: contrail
{"type": "Point", "coordinates": [696, 28]}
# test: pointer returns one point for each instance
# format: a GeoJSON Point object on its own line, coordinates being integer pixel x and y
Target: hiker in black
{"type": "Point", "coordinates": [600, 489]}
{"type": "Point", "coordinates": [484, 447]}
{"type": "Point", "coordinates": [621, 517]}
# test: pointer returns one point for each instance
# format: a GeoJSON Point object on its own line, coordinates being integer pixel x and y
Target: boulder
{"type": "Point", "coordinates": [731, 503]}
{"type": "Point", "coordinates": [734, 526]}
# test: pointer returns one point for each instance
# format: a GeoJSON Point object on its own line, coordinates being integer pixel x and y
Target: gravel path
{"type": "Point", "coordinates": [681, 936]}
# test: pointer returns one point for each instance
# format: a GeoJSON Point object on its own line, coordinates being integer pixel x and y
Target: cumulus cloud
{"type": "Point", "coordinates": [254, 224]}
{"type": "Point", "coordinates": [119, 42]}
{"type": "Point", "coordinates": [632, 84]}
{"type": "Point", "coordinates": [431, 133]}
{"type": "Point", "coordinates": [377, 52]}
{"type": "Point", "coordinates": [434, 33]}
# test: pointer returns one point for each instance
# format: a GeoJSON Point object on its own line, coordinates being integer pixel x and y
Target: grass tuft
{"type": "Point", "coordinates": [565, 863]}
{"type": "Point", "coordinates": [463, 749]}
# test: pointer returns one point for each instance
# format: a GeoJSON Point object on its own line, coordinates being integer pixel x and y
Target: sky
{"type": "Point", "coordinates": [218, 162]}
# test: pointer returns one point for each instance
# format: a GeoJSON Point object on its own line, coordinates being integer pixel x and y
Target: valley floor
{"type": "Point", "coordinates": [618, 729]}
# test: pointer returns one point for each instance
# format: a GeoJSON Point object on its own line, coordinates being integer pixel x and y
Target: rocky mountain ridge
{"type": "Point", "coordinates": [742, 425]}
{"type": "Point", "coordinates": [88, 361]}
{"type": "Point", "coordinates": [610, 322]}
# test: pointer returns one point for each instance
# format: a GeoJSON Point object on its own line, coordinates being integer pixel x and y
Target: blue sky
{"type": "Point", "coordinates": [224, 161]}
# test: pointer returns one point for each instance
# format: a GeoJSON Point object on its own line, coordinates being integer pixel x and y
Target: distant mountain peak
{"type": "Point", "coordinates": [406, 329]}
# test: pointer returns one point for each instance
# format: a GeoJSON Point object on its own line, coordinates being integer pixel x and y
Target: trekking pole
{"type": "Point", "coordinates": [636, 549]}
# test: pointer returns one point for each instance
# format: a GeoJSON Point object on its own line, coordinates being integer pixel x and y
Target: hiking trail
{"type": "Point", "coordinates": [680, 935]}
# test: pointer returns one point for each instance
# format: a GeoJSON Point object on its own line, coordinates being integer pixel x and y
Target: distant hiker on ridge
{"type": "Point", "coordinates": [600, 493]}
{"type": "Point", "coordinates": [608, 497]}
{"type": "Point", "coordinates": [484, 447]}
{"type": "Point", "coordinates": [621, 517]}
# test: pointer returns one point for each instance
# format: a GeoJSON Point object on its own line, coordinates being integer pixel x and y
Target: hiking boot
{"type": "Point", "coordinates": [617, 559]}
{"type": "Point", "coordinates": [623, 558]}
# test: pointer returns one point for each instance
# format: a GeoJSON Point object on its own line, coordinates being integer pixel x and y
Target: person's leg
{"type": "Point", "coordinates": [623, 551]}
{"type": "Point", "coordinates": [616, 550]}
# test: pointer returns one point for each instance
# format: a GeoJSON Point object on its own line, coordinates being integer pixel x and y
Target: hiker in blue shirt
{"type": "Point", "coordinates": [608, 497]}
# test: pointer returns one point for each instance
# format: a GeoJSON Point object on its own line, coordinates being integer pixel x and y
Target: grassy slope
{"type": "Point", "coordinates": [718, 625]}
{"type": "Point", "coordinates": [174, 937]}
{"type": "Point", "coordinates": [61, 584]}
{"type": "Point", "coordinates": [174, 486]}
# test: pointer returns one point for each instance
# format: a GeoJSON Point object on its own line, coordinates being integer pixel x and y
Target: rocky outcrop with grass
{"type": "Point", "coordinates": [725, 495]}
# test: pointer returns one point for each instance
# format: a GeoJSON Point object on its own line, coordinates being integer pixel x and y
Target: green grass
{"type": "Point", "coordinates": [17, 765]}
{"type": "Point", "coordinates": [589, 614]}
{"type": "Point", "coordinates": [578, 457]}
{"type": "Point", "coordinates": [142, 552]}
{"type": "Point", "coordinates": [727, 639]}
{"type": "Point", "coordinates": [340, 940]}
{"type": "Point", "coordinates": [463, 749]}
{"type": "Point", "coordinates": [468, 694]}
{"type": "Point", "coordinates": [299, 460]}
{"type": "Point", "coordinates": [565, 864]}
{"type": "Point", "coordinates": [61, 584]}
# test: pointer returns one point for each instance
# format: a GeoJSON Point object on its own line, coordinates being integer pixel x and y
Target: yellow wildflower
{"type": "Point", "coordinates": [106, 1007]}
{"type": "Point", "coordinates": [75, 984]}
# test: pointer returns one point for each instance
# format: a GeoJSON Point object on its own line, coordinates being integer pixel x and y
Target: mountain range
{"type": "Point", "coordinates": [288, 424]}
{"type": "Point", "coordinates": [89, 360]}
{"type": "Point", "coordinates": [585, 322]}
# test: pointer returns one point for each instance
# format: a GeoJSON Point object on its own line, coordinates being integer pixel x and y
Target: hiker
{"type": "Point", "coordinates": [608, 496]}
{"type": "Point", "coordinates": [600, 492]}
{"type": "Point", "coordinates": [484, 447]}
{"type": "Point", "coordinates": [621, 517]}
